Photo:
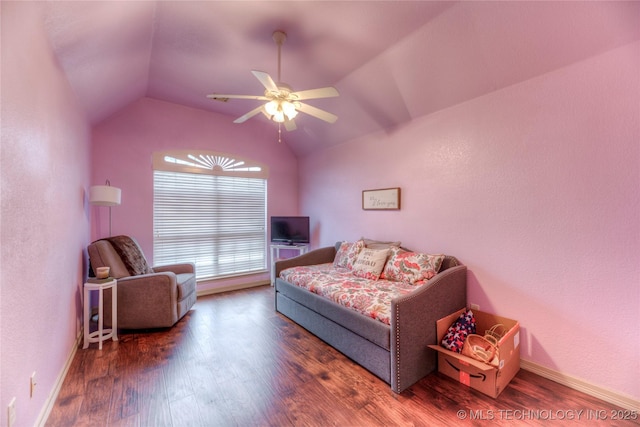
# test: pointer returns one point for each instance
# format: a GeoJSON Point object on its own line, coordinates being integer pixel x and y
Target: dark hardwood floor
{"type": "Point", "coordinates": [233, 361]}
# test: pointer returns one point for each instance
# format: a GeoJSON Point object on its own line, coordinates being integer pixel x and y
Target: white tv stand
{"type": "Point", "coordinates": [300, 248]}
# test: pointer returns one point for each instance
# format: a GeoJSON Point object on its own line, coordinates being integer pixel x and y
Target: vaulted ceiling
{"type": "Point", "coordinates": [392, 61]}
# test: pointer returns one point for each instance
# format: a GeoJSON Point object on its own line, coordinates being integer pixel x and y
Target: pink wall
{"type": "Point", "coordinates": [536, 188]}
{"type": "Point", "coordinates": [45, 215]}
{"type": "Point", "coordinates": [123, 147]}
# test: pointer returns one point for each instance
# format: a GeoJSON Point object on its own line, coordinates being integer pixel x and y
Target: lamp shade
{"type": "Point", "coordinates": [104, 195]}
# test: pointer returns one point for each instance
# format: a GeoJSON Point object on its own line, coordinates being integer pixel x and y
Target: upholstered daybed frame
{"type": "Point", "coordinates": [396, 353]}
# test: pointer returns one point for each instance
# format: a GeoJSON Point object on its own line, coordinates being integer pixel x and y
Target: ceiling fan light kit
{"type": "Point", "coordinates": [283, 104]}
{"type": "Point", "coordinates": [278, 109]}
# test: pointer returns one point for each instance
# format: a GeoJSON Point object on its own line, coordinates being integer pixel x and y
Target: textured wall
{"type": "Point", "coordinates": [122, 150]}
{"type": "Point", "coordinates": [536, 188]}
{"type": "Point", "coordinates": [45, 216]}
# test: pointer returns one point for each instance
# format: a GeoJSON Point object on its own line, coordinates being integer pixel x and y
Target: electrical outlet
{"type": "Point", "coordinates": [11, 413]}
{"type": "Point", "coordinates": [475, 307]}
{"type": "Point", "coordinates": [32, 384]}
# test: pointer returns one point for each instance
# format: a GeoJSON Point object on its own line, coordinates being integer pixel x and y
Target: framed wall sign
{"type": "Point", "coordinates": [382, 199]}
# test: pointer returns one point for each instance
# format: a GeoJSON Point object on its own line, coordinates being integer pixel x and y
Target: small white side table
{"type": "Point", "coordinates": [101, 334]}
{"type": "Point", "coordinates": [301, 248]}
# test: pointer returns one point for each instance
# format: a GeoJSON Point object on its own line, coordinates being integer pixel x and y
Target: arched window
{"type": "Point", "coordinates": [209, 208]}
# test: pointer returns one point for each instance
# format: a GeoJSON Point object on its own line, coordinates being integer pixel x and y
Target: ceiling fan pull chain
{"type": "Point", "coordinates": [279, 133]}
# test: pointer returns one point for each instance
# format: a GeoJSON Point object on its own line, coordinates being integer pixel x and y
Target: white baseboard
{"type": "Point", "coordinates": [51, 399]}
{"type": "Point", "coordinates": [601, 393]}
{"type": "Point", "coordinates": [236, 287]}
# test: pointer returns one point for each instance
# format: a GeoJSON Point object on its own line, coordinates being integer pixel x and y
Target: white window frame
{"type": "Point", "coordinates": [223, 232]}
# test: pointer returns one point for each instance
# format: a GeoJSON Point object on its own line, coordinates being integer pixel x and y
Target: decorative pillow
{"type": "Point", "coordinates": [377, 244]}
{"type": "Point", "coordinates": [411, 267]}
{"type": "Point", "coordinates": [457, 333]}
{"type": "Point", "coordinates": [370, 263]}
{"type": "Point", "coordinates": [347, 254]}
{"type": "Point", "coordinates": [131, 255]}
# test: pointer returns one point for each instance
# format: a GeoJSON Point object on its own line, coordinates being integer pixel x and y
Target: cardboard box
{"type": "Point", "coordinates": [488, 379]}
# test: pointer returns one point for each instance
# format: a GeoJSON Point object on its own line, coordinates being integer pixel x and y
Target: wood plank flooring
{"type": "Point", "coordinates": [234, 361]}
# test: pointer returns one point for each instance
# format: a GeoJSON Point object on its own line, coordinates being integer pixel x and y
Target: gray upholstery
{"type": "Point", "coordinates": [362, 351]}
{"type": "Point", "coordinates": [366, 327]}
{"type": "Point", "coordinates": [396, 353]}
{"type": "Point", "coordinates": [156, 300]}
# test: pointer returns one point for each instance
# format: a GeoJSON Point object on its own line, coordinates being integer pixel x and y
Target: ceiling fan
{"type": "Point", "coordinates": [283, 104]}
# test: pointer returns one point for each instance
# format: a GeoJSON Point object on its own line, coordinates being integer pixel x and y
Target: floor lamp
{"type": "Point", "coordinates": [105, 195]}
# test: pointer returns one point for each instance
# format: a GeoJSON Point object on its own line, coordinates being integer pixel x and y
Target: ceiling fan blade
{"type": "Point", "coordinates": [323, 92]}
{"type": "Point", "coordinates": [247, 116]}
{"type": "Point", "coordinates": [289, 124]}
{"type": "Point", "coordinates": [225, 98]}
{"type": "Point", "coordinates": [316, 112]}
{"type": "Point", "coordinates": [266, 81]}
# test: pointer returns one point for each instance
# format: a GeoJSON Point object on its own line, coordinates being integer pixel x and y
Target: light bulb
{"type": "Point", "coordinates": [289, 109]}
{"type": "Point", "coordinates": [271, 108]}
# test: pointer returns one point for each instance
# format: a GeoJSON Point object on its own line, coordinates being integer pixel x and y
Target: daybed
{"type": "Point", "coordinates": [396, 351]}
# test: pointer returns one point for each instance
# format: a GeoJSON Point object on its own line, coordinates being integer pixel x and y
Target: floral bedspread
{"type": "Point", "coordinates": [369, 297]}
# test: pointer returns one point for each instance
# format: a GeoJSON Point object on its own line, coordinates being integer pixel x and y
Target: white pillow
{"type": "Point", "coordinates": [370, 263]}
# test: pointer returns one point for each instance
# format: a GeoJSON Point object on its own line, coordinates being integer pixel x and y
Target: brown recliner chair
{"type": "Point", "coordinates": [147, 297]}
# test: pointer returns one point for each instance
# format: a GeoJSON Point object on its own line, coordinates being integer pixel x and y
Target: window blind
{"type": "Point", "coordinates": [217, 222]}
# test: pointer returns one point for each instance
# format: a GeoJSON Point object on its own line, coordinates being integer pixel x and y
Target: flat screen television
{"type": "Point", "coordinates": [290, 229]}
